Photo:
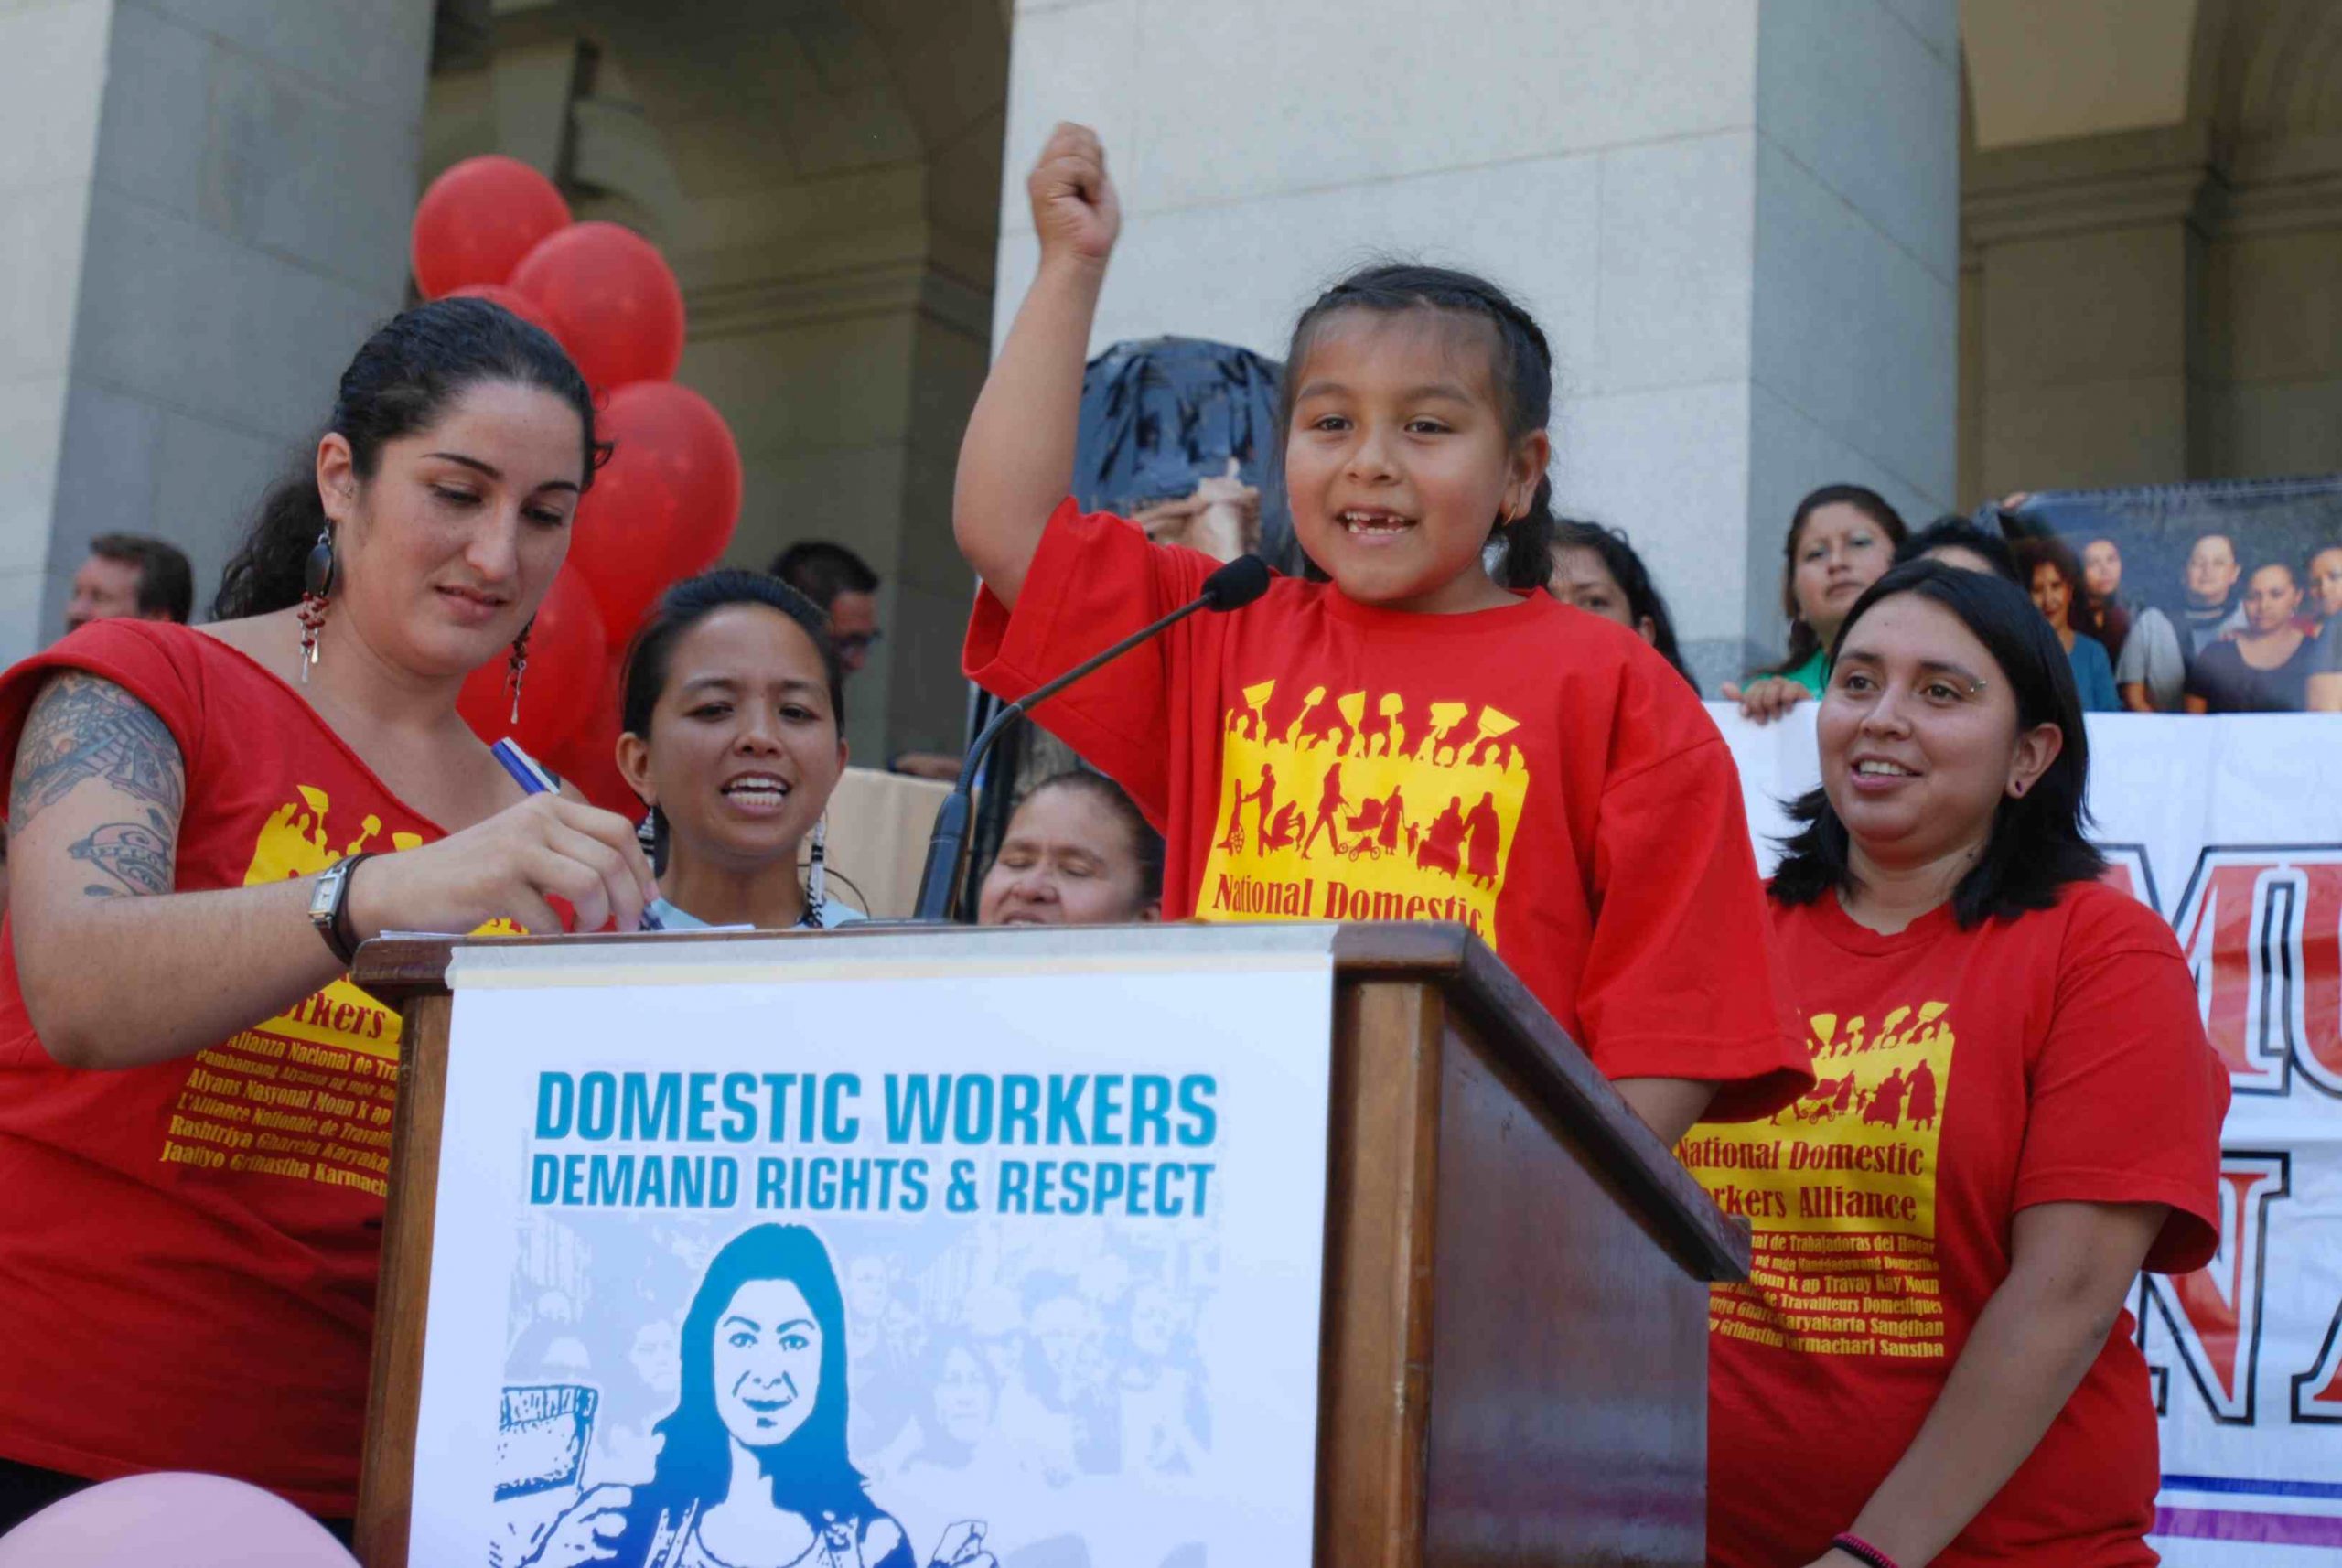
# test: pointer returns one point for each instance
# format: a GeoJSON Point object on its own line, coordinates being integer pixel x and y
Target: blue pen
{"type": "Point", "coordinates": [534, 780]}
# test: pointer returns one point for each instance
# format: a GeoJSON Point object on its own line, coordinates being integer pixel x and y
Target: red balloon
{"type": "Point", "coordinates": [511, 299]}
{"type": "Point", "coordinates": [476, 221]}
{"type": "Point", "coordinates": [588, 758]}
{"type": "Point", "coordinates": [564, 681]}
{"type": "Point", "coordinates": [615, 303]}
{"type": "Point", "coordinates": [663, 508]}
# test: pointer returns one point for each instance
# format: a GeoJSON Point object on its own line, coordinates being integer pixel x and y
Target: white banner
{"type": "Point", "coordinates": [2231, 828]}
{"type": "Point", "coordinates": [913, 1253]}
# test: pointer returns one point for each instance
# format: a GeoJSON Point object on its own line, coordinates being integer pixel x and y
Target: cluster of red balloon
{"type": "Point", "coordinates": [664, 506]}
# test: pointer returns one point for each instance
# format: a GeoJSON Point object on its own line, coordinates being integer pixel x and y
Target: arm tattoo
{"type": "Point", "coordinates": [136, 855]}
{"type": "Point", "coordinates": [83, 727]}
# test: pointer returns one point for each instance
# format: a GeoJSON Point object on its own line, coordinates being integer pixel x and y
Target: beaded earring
{"type": "Point", "coordinates": [817, 876]}
{"type": "Point", "coordinates": [516, 666]}
{"type": "Point", "coordinates": [317, 592]}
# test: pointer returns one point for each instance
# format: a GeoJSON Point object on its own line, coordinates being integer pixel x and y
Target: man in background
{"type": "Point", "coordinates": [847, 590]}
{"type": "Point", "coordinates": [130, 575]}
{"type": "Point", "coordinates": [2151, 675]}
{"type": "Point", "coordinates": [842, 584]}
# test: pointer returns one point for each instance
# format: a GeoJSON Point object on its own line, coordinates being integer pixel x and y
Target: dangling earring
{"type": "Point", "coordinates": [817, 879]}
{"type": "Point", "coordinates": [651, 835]}
{"type": "Point", "coordinates": [516, 665]}
{"type": "Point", "coordinates": [316, 590]}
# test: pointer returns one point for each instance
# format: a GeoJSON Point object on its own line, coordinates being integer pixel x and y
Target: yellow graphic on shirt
{"type": "Point", "coordinates": [1354, 806]}
{"type": "Point", "coordinates": [309, 1095]}
{"type": "Point", "coordinates": [1840, 1189]}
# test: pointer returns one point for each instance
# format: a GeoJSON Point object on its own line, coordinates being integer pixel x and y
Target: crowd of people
{"type": "Point", "coordinates": [221, 814]}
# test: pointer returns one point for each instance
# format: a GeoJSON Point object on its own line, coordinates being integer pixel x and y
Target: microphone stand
{"type": "Point", "coordinates": [947, 846]}
{"type": "Point", "coordinates": [1229, 587]}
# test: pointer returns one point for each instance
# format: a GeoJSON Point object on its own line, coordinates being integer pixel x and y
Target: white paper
{"type": "Point", "coordinates": [1130, 1391]}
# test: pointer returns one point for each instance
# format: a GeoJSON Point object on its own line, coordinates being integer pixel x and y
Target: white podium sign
{"type": "Point", "coordinates": [811, 1252]}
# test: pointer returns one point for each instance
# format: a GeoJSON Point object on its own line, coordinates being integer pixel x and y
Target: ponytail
{"type": "Point", "coordinates": [401, 382]}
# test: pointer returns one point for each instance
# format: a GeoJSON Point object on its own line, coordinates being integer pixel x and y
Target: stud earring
{"type": "Point", "coordinates": [317, 592]}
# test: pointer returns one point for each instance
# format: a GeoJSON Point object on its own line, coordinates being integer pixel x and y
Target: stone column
{"type": "Point", "coordinates": [2089, 257]}
{"type": "Point", "coordinates": [1737, 220]}
{"type": "Point", "coordinates": [206, 204]}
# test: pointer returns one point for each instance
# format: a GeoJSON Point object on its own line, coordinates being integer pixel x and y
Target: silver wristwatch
{"type": "Point", "coordinates": [329, 907]}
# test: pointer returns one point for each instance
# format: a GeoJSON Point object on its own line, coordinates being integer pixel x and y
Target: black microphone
{"type": "Point", "coordinates": [1232, 587]}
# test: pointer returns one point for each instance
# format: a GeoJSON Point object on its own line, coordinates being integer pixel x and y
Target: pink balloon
{"type": "Point", "coordinates": [172, 1518]}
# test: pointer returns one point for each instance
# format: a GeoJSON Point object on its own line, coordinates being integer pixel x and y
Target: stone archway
{"type": "Point", "coordinates": [824, 176]}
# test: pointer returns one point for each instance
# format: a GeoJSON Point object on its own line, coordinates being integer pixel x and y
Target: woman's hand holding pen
{"type": "Point", "coordinates": [510, 867]}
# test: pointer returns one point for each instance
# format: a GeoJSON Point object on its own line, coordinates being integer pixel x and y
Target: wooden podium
{"type": "Point", "coordinates": [1516, 1271]}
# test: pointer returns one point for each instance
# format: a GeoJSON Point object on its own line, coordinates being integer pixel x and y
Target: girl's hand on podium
{"type": "Point", "coordinates": [508, 868]}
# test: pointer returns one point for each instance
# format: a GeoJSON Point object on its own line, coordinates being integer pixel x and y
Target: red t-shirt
{"type": "Point", "coordinates": [1963, 1076]}
{"type": "Point", "coordinates": [189, 1250]}
{"type": "Point", "coordinates": [1532, 771]}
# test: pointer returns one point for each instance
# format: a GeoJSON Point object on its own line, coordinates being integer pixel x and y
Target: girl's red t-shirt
{"type": "Point", "coordinates": [189, 1250]}
{"type": "Point", "coordinates": [1961, 1076]}
{"type": "Point", "coordinates": [1532, 771]}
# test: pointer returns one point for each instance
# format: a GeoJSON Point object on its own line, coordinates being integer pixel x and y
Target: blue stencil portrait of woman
{"type": "Point", "coordinates": [752, 1469]}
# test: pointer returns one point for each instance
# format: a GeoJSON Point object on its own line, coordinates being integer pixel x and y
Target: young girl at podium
{"type": "Point", "coordinates": [733, 703]}
{"type": "Point", "coordinates": [2017, 1111]}
{"type": "Point", "coordinates": [1400, 734]}
{"type": "Point", "coordinates": [194, 1103]}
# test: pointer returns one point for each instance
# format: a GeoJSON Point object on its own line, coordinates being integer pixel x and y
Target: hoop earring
{"type": "Point", "coordinates": [317, 593]}
{"type": "Point", "coordinates": [516, 666]}
{"type": "Point", "coordinates": [817, 879]}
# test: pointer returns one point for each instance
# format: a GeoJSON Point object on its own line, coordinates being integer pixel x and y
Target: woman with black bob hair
{"type": "Point", "coordinates": [752, 1463]}
{"type": "Point", "coordinates": [733, 707]}
{"type": "Point", "coordinates": [1597, 569]}
{"type": "Point", "coordinates": [206, 822]}
{"type": "Point", "coordinates": [2037, 841]}
{"type": "Point", "coordinates": [2016, 1110]}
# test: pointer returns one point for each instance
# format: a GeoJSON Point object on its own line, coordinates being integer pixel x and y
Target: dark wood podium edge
{"type": "Point", "coordinates": [411, 973]}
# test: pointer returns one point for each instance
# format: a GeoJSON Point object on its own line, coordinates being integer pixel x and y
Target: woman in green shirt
{"type": "Point", "coordinates": [1842, 539]}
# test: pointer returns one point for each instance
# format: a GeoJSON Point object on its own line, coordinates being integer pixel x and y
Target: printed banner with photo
{"type": "Point", "coordinates": [2231, 828]}
{"type": "Point", "coordinates": [871, 1262]}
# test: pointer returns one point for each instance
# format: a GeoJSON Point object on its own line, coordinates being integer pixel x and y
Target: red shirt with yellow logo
{"type": "Point", "coordinates": [1532, 771]}
{"type": "Point", "coordinates": [1963, 1076]}
{"type": "Point", "coordinates": [189, 1250]}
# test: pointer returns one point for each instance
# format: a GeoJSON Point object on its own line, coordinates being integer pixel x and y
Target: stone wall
{"type": "Point", "coordinates": [214, 202]}
{"type": "Point", "coordinates": [1736, 224]}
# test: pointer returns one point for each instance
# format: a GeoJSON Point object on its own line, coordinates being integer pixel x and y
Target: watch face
{"type": "Point", "coordinates": [321, 896]}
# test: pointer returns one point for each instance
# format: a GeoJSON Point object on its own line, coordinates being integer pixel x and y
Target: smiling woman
{"type": "Point", "coordinates": [752, 1462]}
{"type": "Point", "coordinates": [734, 699]}
{"type": "Point", "coordinates": [2016, 1110]}
{"type": "Point", "coordinates": [198, 824]}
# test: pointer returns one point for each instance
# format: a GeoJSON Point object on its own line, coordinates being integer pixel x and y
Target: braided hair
{"type": "Point", "coordinates": [1521, 373]}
